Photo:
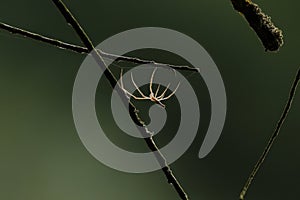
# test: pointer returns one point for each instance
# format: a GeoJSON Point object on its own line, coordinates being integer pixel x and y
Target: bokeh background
{"type": "Point", "coordinates": [41, 155]}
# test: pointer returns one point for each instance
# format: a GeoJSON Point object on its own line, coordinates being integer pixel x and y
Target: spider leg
{"type": "Point", "coordinates": [157, 89]}
{"type": "Point", "coordinates": [145, 97]}
{"type": "Point", "coordinates": [162, 99]}
{"type": "Point", "coordinates": [161, 104]}
{"type": "Point", "coordinates": [164, 92]}
{"type": "Point", "coordinates": [121, 85]}
{"type": "Point", "coordinates": [151, 80]}
{"type": "Point", "coordinates": [135, 97]}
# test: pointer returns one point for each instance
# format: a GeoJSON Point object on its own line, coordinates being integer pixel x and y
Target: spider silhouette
{"type": "Point", "coordinates": [154, 97]}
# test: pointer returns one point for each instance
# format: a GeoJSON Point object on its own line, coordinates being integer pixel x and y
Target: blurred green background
{"type": "Point", "coordinates": [41, 155]}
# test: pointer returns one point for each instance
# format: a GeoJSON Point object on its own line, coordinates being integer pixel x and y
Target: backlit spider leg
{"type": "Point", "coordinates": [135, 97]}
{"type": "Point", "coordinates": [152, 97]}
{"type": "Point", "coordinates": [162, 99]}
{"type": "Point", "coordinates": [164, 92]}
{"type": "Point", "coordinates": [121, 80]}
{"type": "Point", "coordinates": [145, 97]}
{"type": "Point", "coordinates": [151, 80]}
{"type": "Point", "coordinates": [157, 89]}
{"type": "Point", "coordinates": [160, 103]}
{"type": "Point", "coordinates": [121, 85]}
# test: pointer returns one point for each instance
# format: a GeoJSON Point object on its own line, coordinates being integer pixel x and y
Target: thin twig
{"type": "Point", "coordinates": [149, 140]}
{"type": "Point", "coordinates": [80, 49]}
{"type": "Point", "coordinates": [273, 137]}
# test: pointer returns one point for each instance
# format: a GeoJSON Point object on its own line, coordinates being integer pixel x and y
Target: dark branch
{"type": "Point", "coordinates": [273, 137]}
{"type": "Point", "coordinates": [269, 34]}
{"type": "Point", "coordinates": [80, 49]}
{"type": "Point", "coordinates": [149, 140]}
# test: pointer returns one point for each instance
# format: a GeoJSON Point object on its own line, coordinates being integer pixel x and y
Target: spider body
{"type": "Point", "coordinates": [155, 100]}
{"type": "Point", "coordinates": [152, 96]}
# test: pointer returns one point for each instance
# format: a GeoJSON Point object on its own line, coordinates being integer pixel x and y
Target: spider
{"type": "Point", "coordinates": [152, 96]}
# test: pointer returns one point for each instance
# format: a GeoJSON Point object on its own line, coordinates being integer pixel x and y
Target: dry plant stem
{"type": "Point", "coordinates": [149, 140]}
{"type": "Point", "coordinates": [80, 49]}
{"type": "Point", "coordinates": [273, 137]}
{"type": "Point", "coordinates": [268, 33]}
